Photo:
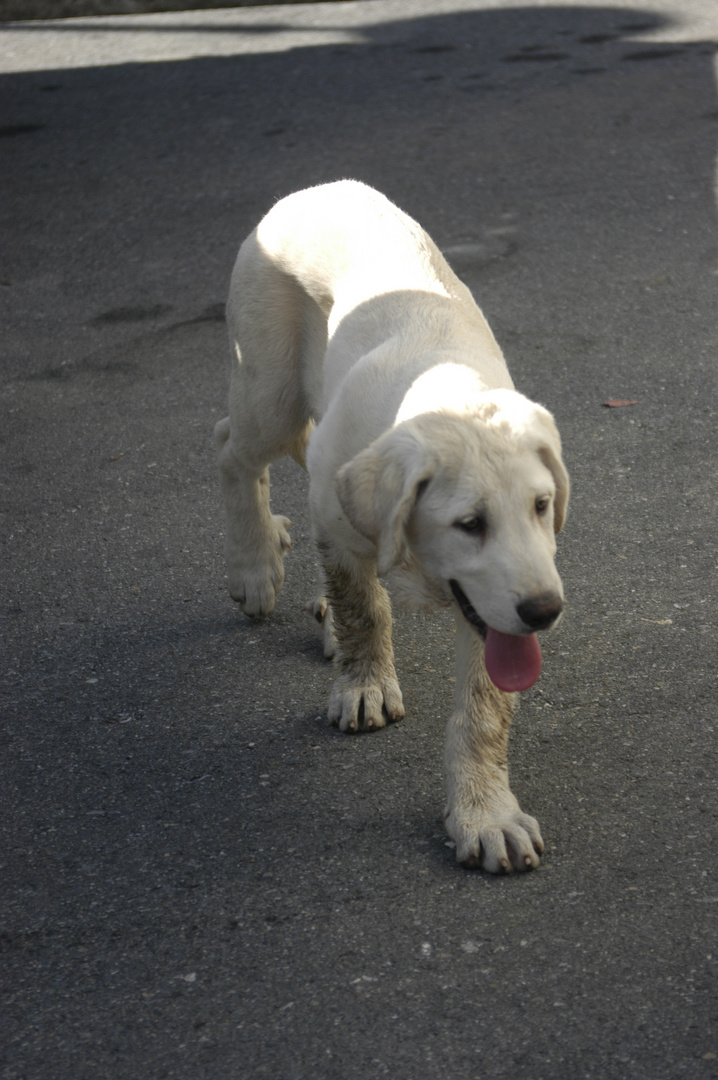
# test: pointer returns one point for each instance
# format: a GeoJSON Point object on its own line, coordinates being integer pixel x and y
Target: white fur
{"type": "Point", "coordinates": [350, 333]}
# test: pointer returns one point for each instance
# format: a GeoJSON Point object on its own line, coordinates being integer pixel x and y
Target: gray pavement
{"type": "Point", "coordinates": [200, 878]}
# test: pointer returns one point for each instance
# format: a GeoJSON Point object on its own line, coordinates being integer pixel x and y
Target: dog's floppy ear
{"type": "Point", "coordinates": [544, 439]}
{"type": "Point", "coordinates": [551, 457]}
{"type": "Point", "coordinates": [535, 429]}
{"type": "Point", "coordinates": [378, 489]}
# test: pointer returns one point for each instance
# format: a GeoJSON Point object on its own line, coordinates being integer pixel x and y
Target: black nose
{"type": "Point", "coordinates": [539, 612]}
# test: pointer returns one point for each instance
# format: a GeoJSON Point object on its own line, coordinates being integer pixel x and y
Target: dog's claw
{"type": "Point", "coordinates": [497, 843]}
{"type": "Point", "coordinates": [365, 707]}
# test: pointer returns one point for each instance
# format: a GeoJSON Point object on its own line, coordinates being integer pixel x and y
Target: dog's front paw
{"type": "Point", "coordinates": [256, 577]}
{"type": "Point", "coordinates": [494, 835]}
{"type": "Point", "coordinates": [365, 705]}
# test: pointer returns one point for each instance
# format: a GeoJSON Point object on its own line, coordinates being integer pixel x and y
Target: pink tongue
{"type": "Point", "coordinates": [512, 661]}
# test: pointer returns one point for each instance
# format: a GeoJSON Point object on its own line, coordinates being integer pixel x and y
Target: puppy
{"type": "Point", "coordinates": [355, 348]}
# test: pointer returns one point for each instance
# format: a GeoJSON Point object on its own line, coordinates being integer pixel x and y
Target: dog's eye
{"type": "Point", "coordinates": [542, 504]}
{"type": "Point", "coordinates": [477, 525]}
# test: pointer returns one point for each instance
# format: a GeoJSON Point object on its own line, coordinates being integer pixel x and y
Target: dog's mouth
{"type": "Point", "coordinates": [513, 661]}
{"type": "Point", "coordinates": [467, 609]}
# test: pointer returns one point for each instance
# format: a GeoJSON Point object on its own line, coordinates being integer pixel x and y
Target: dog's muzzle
{"type": "Point", "coordinates": [536, 613]}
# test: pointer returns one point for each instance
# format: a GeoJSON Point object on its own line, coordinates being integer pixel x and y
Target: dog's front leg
{"type": "Point", "coordinates": [482, 814]}
{"type": "Point", "coordinates": [366, 692]}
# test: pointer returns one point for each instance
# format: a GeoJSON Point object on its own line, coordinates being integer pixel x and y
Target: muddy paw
{"type": "Point", "coordinates": [365, 706]}
{"type": "Point", "coordinates": [497, 838]}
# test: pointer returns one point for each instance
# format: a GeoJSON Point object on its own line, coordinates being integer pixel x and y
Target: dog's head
{"type": "Point", "coordinates": [476, 499]}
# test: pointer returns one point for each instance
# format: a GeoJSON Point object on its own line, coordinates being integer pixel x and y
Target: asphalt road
{"type": "Point", "coordinates": [200, 877]}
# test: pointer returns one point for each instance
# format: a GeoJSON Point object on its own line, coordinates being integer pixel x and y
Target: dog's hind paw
{"type": "Point", "coordinates": [496, 838]}
{"type": "Point", "coordinates": [256, 578]}
{"type": "Point", "coordinates": [321, 610]}
{"type": "Point", "coordinates": [281, 524]}
{"type": "Point", "coordinates": [365, 707]}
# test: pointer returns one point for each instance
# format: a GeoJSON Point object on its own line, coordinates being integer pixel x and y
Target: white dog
{"type": "Point", "coordinates": [424, 461]}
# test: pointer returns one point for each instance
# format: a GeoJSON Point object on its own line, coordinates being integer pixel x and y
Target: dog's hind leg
{"type": "Point", "coordinates": [275, 335]}
{"type": "Point", "coordinates": [321, 610]}
{"type": "Point", "coordinates": [256, 540]}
